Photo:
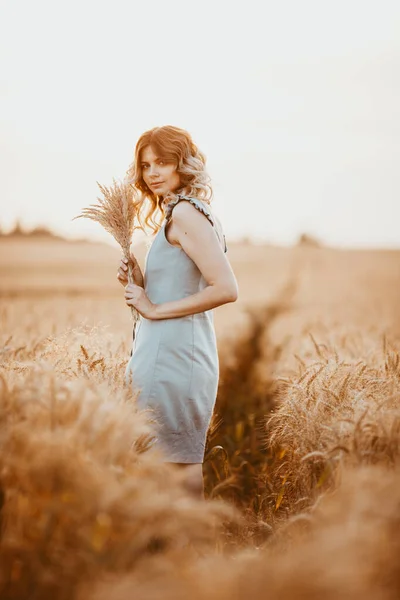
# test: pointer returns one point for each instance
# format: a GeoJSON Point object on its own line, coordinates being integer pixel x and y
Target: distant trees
{"type": "Point", "coordinates": [305, 239]}
{"type": "Point", "coordinates": [19, 231]}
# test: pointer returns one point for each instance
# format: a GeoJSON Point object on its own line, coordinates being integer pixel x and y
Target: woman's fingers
{"type": "Point", "coordinates": [122, 276]}
{"type": "Point", "coordinates": [123, 268]}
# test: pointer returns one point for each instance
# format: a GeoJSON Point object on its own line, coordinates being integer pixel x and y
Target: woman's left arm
{"type": "Point", "coordinates": [197, 237]}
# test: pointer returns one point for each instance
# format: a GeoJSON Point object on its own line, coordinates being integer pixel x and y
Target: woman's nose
{"type": "Point", "coordinates": [153, 170]}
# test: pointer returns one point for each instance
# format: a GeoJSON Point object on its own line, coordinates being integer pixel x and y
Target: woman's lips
{"type": "Point", "coordinates": [158, 183]}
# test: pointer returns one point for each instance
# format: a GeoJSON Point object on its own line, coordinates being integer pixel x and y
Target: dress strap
{"type": "Point", "coordinates": [199, 205]}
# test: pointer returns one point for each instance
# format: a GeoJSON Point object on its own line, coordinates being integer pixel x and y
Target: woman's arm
{"type": "Point", "coordinates": [209, 298]}
{"type": "Point", "coordinates": [198, 239]}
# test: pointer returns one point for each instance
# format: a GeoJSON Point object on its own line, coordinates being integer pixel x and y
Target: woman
{"type": "Point", "coordinates": [174, 360]}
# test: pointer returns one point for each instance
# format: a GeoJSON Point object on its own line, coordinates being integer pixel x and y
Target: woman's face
{"type": "Point", "coordinates": [159, 176]}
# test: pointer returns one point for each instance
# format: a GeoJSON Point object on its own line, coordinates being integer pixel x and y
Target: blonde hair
{"type": "Point", "coordinates": [175, 146]}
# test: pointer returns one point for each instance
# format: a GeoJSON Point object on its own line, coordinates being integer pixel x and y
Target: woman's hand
{"type": "Point", "coordinates": [136, 296]}
{"type": "Point", "coordinates": [122, 273]}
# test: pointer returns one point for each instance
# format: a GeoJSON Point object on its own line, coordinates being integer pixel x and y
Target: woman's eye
{"type": "Point", "coordinates": [161, 162]}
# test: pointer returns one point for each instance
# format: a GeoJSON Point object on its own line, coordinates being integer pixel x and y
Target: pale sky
{"type": "Point", "coordinates": [295, 104]}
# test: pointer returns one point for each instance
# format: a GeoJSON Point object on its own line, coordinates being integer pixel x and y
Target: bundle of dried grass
{"type": "Point", "coordinates": [117, 213]}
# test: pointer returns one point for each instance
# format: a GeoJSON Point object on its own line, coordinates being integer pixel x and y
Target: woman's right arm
{"type": "Point", "coordinates": [122, 274]}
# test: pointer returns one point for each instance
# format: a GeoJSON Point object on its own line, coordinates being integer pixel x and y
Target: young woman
{"type": "Point", "coordinates": [174, 360]}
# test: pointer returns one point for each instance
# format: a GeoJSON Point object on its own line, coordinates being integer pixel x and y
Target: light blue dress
{"type": "Point", "coordinates": [174, 362]}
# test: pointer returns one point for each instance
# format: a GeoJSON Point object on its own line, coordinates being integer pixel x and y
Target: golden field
{"type": "Point", "coordinates": [302, 460]}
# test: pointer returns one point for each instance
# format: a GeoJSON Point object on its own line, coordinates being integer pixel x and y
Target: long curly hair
{"type": "Point", "coordinates": [173, 145]}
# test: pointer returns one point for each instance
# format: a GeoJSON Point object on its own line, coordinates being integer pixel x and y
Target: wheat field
{"type": "Point", "coordinates": [303, 452]}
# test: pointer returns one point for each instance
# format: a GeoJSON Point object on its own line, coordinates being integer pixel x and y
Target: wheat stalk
{"type": "Point", "coordinates": [117, 213]}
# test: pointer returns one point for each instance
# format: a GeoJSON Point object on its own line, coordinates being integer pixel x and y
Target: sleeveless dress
{"type": "Point", "coordinates": [174, 362]}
